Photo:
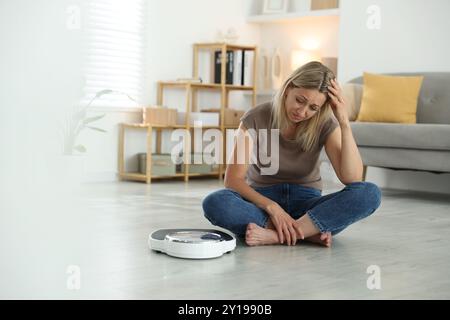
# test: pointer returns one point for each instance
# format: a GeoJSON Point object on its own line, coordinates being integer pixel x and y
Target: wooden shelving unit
{"type": "Point", "coordinates": [191, 91]}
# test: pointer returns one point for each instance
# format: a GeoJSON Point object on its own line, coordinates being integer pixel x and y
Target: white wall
{"type": "Point", "coordinates": [40, 80]}
{"type": "Point", "coordinates": [413, 37]}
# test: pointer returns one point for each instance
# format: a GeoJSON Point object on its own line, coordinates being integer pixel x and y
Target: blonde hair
{"type": "Point", "coordinates": [313, 75]}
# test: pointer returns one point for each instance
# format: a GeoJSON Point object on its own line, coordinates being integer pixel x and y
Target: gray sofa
{"type": "Point", "coordinates": [424, 146]}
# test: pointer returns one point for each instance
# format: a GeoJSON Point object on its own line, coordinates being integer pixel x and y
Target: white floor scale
{"type": "Point", "coordinates": [192, 243]}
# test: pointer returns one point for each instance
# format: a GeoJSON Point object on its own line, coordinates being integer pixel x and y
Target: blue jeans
{"type": "Point", "coordinates": [331, 213]}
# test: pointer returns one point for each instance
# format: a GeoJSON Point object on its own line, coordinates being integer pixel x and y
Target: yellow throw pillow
{"type": "Point", "coordinates": [389, 98]}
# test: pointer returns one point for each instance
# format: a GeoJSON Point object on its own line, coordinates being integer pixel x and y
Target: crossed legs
{"type": "Point", "coordinates": [318, 217]}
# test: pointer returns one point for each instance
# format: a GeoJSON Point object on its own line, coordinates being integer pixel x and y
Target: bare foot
{"type": "Point", "coordinates": [322, 239]}
{"type": "Point", "coordinates": [257, 236]}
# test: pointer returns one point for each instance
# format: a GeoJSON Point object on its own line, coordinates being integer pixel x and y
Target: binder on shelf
{"type": "Point", "coordinates": [218, 67]}
{"type": "Point", "coordinates": [247, 67]}
{"type": "Point", "coordinates": [238, 60]}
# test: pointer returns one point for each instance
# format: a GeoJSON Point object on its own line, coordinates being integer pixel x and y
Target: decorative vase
{"type": "Point", "coordinates": [276, 67]}
{"type": "Point", "coordinates": [264, 68]}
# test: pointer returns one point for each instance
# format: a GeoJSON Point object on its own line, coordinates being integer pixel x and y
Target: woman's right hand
{"type": "Point", "coordinates": [284, 224]}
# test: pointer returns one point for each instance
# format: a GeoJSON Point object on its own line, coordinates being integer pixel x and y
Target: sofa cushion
{"type": "Point", "coordinates": [405, 136]}
{"type": "Point", "coordinates": [352, 93]}
{"type": "Point", "coordinates": [389, 98]}
{"type": "Point", "coordinates": [434, 99]}
{"type": "Point", "coordinates": [409, 159]}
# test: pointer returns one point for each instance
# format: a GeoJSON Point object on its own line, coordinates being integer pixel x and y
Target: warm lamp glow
{"type": "Point", "coordinates": [301, 57]}
{"type": "Point", "coordinates": [310, 44]}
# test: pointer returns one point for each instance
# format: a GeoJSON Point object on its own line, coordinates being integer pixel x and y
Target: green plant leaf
{"type": "Point", "coordinates": [127, 95]}
{"type": "Point", "coordinates": [102, 92]}
{"type": "Point", "coordinates": [96, 129]}
{"type": "Point", "coordinates": [92, 119]}
{"type": "Point", "coordinates": [80, 148]}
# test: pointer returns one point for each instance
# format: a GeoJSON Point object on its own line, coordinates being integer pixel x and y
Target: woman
{"type": "Point", "coordinates": [287, 206]}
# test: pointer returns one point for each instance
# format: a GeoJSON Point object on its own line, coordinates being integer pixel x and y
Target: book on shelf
{"type": "Point", "coordinates": [237, 71]}
{"type": "Point", "coordinates": [247, 67]}
{"type": "Point", "coordinates": [229, 68]}
{"type": "Point", "coordinates": [239, 67]}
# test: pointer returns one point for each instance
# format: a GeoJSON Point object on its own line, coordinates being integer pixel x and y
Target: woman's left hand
{"type": "Point", "coordinates": [337, 102]}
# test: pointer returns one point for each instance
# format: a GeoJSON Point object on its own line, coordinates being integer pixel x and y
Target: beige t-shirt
{"type": "Point", "coordinates": [294, 165]}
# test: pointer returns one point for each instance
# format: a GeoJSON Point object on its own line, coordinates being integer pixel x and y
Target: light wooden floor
{"type": "Point", "coordinates": [408, 238]}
